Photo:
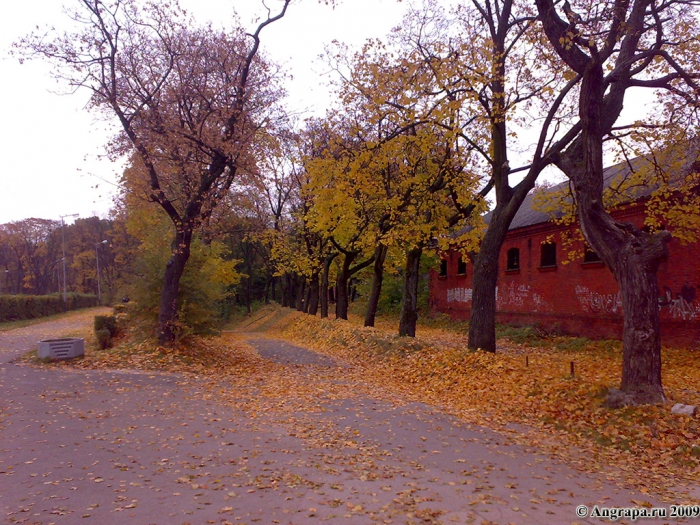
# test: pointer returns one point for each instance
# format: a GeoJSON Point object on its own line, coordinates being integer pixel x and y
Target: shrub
{"type": "Point", "coordinates": [104, 338]}
{"type": "Point", "coordinates": [106, 322]}
{"type": "Point", "coordinates": [206, 283]}
{"type": "Point", "coordinates": [120, 308]}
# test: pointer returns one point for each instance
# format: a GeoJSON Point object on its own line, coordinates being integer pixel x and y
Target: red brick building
{"type": "Point", "coordinates": [538, 284]}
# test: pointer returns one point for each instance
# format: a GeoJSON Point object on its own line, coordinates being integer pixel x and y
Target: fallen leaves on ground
{"type": "Point", "coordinates": [60, 325]}
{"type": "Point", "coordinates": [525, 391]}
{"type": "Point", "coordinates": [646, 446]}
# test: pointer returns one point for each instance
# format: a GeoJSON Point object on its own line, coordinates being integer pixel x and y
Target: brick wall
{"type": "Point", "coordinates": [573, 296]}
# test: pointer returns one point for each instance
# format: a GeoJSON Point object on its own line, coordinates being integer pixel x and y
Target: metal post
{"type": "Point", "coordinates": [58, 275]}
{"type": "Point", "coordinates": [97, 256]}
{"type": "Point", "coordinates": [63, 245]}
{"type": "Point", "coordinates": [63, 260]}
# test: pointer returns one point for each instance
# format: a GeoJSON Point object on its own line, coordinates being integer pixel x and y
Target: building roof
{"type": "Point", "coordinates": [529, 214]}
{"type": "Point", "coordinates": [613, 176]}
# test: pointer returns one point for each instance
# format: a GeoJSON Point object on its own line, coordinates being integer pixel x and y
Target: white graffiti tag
{"type": "Point", "coordinates": [682, 309]}
{"type": "Point", "coordinates": [683, 306]}
{"type": "Point", "coordinates": [598, 302]}
{"type": "Point", "coordinates": [512, 295]}
{"type": "Point", "coordinates": [541, 304]}
{"type": "Point", "coordinates": [459, 295]}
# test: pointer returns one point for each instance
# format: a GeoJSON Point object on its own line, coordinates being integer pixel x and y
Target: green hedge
{"type": "Point", "coordinates": [16, 307]}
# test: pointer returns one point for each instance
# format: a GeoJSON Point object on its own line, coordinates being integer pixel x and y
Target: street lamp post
{"type": "Point", "coordinates": [97, 256]}
{"type": "Point", "coordinates": [6, 273]}
{"type": "Point", "coordinates": [63, 245]}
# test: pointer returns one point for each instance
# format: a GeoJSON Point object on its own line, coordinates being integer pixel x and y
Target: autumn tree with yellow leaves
{"type": "Point", "coordinates": [516, 117]}
{"type": "Point", "coordinates": [394, 173]}
{"type": "Point", "coordinates": [300, 251]}
{"type": "Point", "coordinates": [435, 114]}
{"type": "Point", "coordinates": [341, 210]}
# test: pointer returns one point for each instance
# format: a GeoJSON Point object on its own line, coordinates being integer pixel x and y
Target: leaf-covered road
{"type": "Point", "coordinates": [86, 446]}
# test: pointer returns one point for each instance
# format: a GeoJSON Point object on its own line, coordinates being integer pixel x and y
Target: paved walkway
{"type": "Point", "coordinates": [145, 448]}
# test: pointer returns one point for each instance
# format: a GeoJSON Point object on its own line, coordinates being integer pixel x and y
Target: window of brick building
{"type": "Point", "coordinates": [590, 256]}
{"type": "Point", "coordinates": [513, 260]}
{"type": "Point", "coordinates": [461, 266]}
{"type": "Point", "coordinates": [549, 255]}
{"type": "Point", "coordinates": [443, 268]}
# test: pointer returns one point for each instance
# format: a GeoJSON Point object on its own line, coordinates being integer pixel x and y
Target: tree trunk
{"type": "Point", "coordinates": [307, 299]}
{"type": "Point", "coordinates": [268, 284]}
{"type": "Point", "coordinates": [247, 297]}
{"type": "Point", "coordinates": [167, 315]}
{"type": "Point", "coordinates": [632, 255]}
{"type": "Point", "coordinates": [641, 341]}
{"type": "Point", "coordinates": [249, 290]}
{"type": "Point", "coordinates": [324, 284]}
{"type": "Point", "coordinates": [634, 258]}
{"type": "Point", "coordinates": [341, 305]}
{"type": "Point", "coordinates": [284, 284]}
{"type": "Point", "coordinates": [301, 287]}
{"type": "Point", "coordinates": [409, 303]}
{"type": "Point", "coordinates": [313, 295]}
{"type": "Point", "coordinates": [379, 258]}
{"type": "Point", "coordinates": [482, 319]}
{"type": "Point", "coordinates": [291, 287]}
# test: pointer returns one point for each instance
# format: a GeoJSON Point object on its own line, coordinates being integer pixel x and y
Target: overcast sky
{"type": "Point", "coordinates": [51, 147]}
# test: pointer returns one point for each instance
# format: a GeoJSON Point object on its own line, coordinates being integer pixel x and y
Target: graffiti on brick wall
{"type": "Point", "coordinates": [599, 303]}
{"type": "Point", "coordinates": [512, 295]}
{"type": "Point", "coordinates": [459, 295]}
{"type": "Point", "coordinates": [683, 307]}
{"type": "Point", "coordinates": [540, 303]}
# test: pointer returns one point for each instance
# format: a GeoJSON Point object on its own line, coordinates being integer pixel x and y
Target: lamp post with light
{"type": "Point", "coordinates": [97, 256]}
{"type": "Point", "coordinates": [63, 245]}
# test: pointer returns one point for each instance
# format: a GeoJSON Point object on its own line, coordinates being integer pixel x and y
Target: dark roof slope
{"type": "Point", "coordinates": [528, 215]}
{"type": "Point", "coordinates": [613, 175]}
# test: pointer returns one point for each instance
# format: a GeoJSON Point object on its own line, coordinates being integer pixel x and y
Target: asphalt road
{"type": "Point", "coordinates": [134, 447]}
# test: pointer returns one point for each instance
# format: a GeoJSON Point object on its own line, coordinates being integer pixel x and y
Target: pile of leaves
{"type": "Point", "coordinates": [531, 389]}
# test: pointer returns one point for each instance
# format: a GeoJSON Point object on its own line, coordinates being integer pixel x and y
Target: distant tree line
{"type": "Point", "coordinates": [31, 257]}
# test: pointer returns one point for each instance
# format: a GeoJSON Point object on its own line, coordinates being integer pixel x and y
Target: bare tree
{"type": "Point", "coordinates": [190, 101]}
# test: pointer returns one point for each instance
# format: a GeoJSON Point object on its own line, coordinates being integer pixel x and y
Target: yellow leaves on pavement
{"type": "Point", "coordinates": [525, 391]}
{"type": "Point", "coordinates": [547, 405]}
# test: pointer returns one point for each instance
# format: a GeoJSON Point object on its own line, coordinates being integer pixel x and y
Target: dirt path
{"type": "Point", "coordinates": [144, 448]}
